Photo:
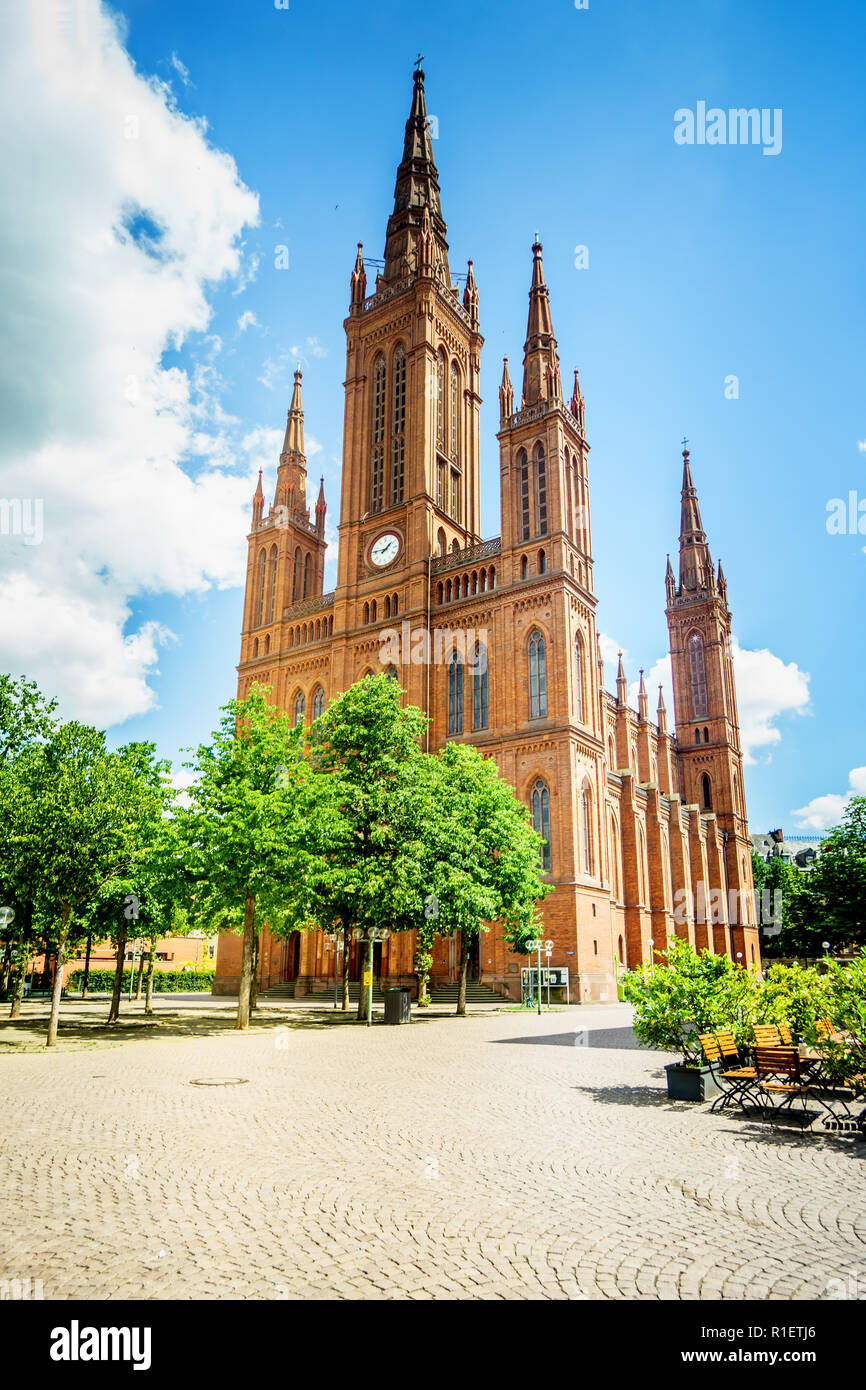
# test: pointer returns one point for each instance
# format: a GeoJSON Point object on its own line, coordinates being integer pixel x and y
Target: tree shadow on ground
{"type": "Point", "coordinates": [612, 1038]}
{"type": "Point", "coordinates": [28, 1034]}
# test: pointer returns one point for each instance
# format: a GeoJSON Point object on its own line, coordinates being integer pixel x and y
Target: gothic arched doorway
{"type": "Point", "coordinates": [291, 956]}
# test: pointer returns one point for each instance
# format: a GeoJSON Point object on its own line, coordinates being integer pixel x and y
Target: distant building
{"type": "Point", "coordinates": [799, 850]}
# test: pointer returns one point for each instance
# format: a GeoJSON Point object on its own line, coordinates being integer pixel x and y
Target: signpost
{"type": "Point", "coordinates": [538, 945]}
{"type": "Point", "coordinates": [338, 946]}
{"type": "Point", "coordinates": [369, 934]}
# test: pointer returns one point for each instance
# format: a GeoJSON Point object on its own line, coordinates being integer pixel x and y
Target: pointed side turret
{"type": "Point", "coordinates": [321, 508]}
{"type": "Point", "coordinates": [577, 405]}
{"type": "Point", "coordinates": [358, 282]}
{"type": "Point", "coordinates": [621, 685]}
{"type": "Point", "coordinates": [662, 714]}
{"type": "Point", "coordinates": [470, 297]}
{"type": "Point", "coordinates": [642, 700]}
{"type": "Point", "coordinates": [258, 501]}
{"type": "Point", "coordinates": [506, 393]}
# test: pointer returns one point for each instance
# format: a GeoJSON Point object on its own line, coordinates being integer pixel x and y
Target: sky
{"type": "Point", "coordinates": [184, 186]}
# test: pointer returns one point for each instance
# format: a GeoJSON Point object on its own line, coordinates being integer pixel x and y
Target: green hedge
{"type": "Point", "coordinates": [164, 981]}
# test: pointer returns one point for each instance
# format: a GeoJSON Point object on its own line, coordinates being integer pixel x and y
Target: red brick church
{"type": "Point", "coordinates": [644, 826]}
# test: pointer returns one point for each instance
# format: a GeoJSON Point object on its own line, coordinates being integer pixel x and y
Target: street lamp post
{"type": "Point", "coordinates": [370, 934]}
{"type": "Point", "coordinates": [535, 945]}
{"type": "Point", "coordinates": [548, 951]}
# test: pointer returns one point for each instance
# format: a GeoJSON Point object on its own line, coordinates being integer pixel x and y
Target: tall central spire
{"type": "Point", "coordinates": [417, 187]}
{"type": "Point", "coordinates": [696, 565]}
{"type": "Point", "coordinates": [541, 378]}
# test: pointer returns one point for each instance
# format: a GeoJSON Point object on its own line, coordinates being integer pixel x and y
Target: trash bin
{"type": "Point", "coordinates": [398, 1004]}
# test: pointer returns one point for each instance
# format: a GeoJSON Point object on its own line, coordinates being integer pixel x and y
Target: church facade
{"type": "Point", "coordinates": [644, 826]}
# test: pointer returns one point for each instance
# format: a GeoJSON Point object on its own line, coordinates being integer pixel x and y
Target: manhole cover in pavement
{"type": "Point", "coordinates": [220, 1081]}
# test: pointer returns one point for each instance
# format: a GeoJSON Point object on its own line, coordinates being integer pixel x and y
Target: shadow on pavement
{"type": "Point", "coordinates": [613, 1038]}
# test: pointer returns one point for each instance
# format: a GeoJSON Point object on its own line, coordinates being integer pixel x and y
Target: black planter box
{"type": "Point", "coordinates": [691, 1083]}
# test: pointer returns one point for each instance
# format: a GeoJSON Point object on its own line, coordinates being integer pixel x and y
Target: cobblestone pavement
{"type": "Point", "coordinates": [498, 1156]}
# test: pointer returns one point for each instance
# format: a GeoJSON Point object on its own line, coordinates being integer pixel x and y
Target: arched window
{"type": "Point", "coordinates": [398, 433]}
{"type": "Point", "coordinates": [537, 678]}
{"type": "Point", "coordinates": [586, 818]}
{"type": "Point", "coordinates": [611, 754]}
{"type": "Point", "coordinates": [523, 475]}
{"type": "Point", "coordinates": [441, 541]}
{"type": "Point", "coordinates": [318, 702]}
{"type": "Point", "coordinates": [296, 576]}
{"type": "Point", "coordinates": [260, 589]}
{"type": "Point", "coordinates": [395, 606]}
{"type": "Point", "coordinates": [455, 545]}
{"type": "Point", "coordinates": [524, 567]}
{"type": "Point", "coordinates": [308, 575]}
{"type": "Point", "coordinates": [300, 707]}
{"type": "Point", "coordinates": [454, 409]}
{"type": "Point", "coordinates": [491, 577]}
{"type": "Point", "coordinates": [541, 821]}
{"type": "Point", "coordinates": [440, 400]}
{"type": "Point", "coordinates": [706, 793]}
{"type": "Point", "coordinates": [695, 646]}
{"type": "Point", "coordinates": [541, 488]}
{"type": "Point", "coordinates": [542, 562]}
{"type": "Point", "coordinates": [641, 865]}
{"type": "Point", "coordinates": [387, 605]}
{"type": "Point", "coordinates": [366, 612]}
{"type": "Point", "coordinates": [479, 687]}
{"type": "Point", "coordinates": [697, 735]}
{"type": "Point", "coordinates": [391, 673]}
{"type": "Point", "coordinates": [620, 956]}
{"type": "Point", "coordinates": [440, 593]}
{"type": "Point", "coordinates": [267, 644]}
{"type": "Point", "coordinates": [255, 646]}
{"type": "Point", "coordinates": [706, 735]}
{"type": "Point", "coordinates": [578, 679]}
{"type": "Point", "coordinates": [455, 694]}
{"type": "Point", "coordinates": [377, 457]}
{"type": "Point", "coordinates": [272, 591]}
{"type": "Point", "coordinates": [373, 611]}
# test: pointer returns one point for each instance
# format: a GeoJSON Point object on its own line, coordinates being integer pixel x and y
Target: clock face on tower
{"type": "Point", "coordinates": [385, 549]}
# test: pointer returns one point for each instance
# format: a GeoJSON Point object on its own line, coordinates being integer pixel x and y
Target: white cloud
{"type": "Point", "coordinates": [108, 258]}
{"type": "Point", "coordinates": [824, 811]}
{"type": "Point", "coordinates": [311, 348]}
{"type": "Point", "coordinates": [181, 69]}
{"type": "Point", "coordinates": [247, 320]}
{"type": "Point", "coordinates": [767, 689]}
{"type": "Point", "coordinates": [861, 445]}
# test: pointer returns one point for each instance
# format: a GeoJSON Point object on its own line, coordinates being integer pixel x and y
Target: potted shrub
{"type": "Point", "coordinates": [689, 993]}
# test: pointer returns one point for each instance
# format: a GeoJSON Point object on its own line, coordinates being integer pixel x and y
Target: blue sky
{"type": "Point", "coordinates": [705, 262]}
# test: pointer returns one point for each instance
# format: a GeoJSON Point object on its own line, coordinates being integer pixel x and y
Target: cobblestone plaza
{"type": "Point", "coordinates": [501, 1156]}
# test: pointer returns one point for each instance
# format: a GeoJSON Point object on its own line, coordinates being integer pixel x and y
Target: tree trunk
{"type": "Point", "coordinates": [243, 1018]}
{"type": "Point", "coordinates": [138, 980]}
{"type": "Point", "coordinates": [364, 992]}
{"type": "Point", "coordinates": [7, 968]}
{"type": "Point", "coordinates": [345, 969]}
{"type": "Point", "coordinates": [254, 977]}
{"type": "Point", "coordinates": [148, 993]}
{"type": "Point", "coordinates": [114, 1009]}
{"type": "Point", "coordinates": [59, 960]}
{"type": "Point", "coordinates": [464, 967]}
{"type": "Point", "coordinates": [20, 978]}
{"type": "Point", "coordinates": [86, 975]}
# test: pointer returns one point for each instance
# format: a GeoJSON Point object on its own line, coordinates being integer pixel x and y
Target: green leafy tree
{"type": "Point", "coordinates": [830, 901]}
{"type": "Point", "coordinates": [242, 831]}
{"type": "Point", "coordinates": [691, 992]}
{"type": "Point", "coordinates": [369, 807]}
{"type": "Point", "coordinates": [81, 813]}
{"type": "Point", "coordinates": [482, 854]}
{"type": "Point", "coordinates": [26, 719]}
